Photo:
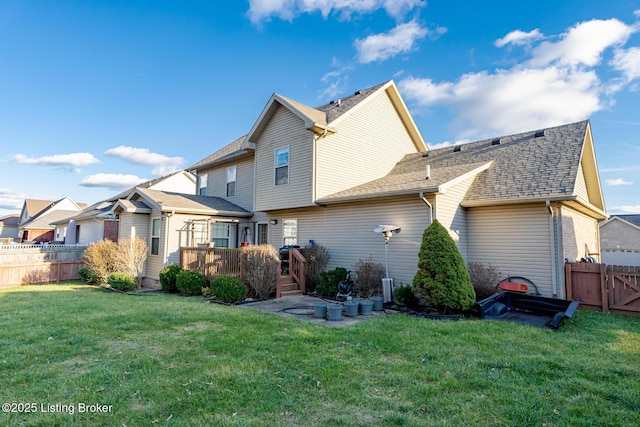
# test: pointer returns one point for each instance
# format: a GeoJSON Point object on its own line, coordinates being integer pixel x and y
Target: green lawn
{"type": "Point", "coordinates": [168, 360]}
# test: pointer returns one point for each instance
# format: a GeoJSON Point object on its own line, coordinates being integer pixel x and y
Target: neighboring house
{"type": "Point", "coordinates": [40, 227]}
{"type": "Point", "coordinates": [522, 203]}
{"type": "Point", "coordinates": [32, 207]}
{"type": "Point", "coordinates": [620, 240]}
{"type": "Point", "coordinates": [9, 227]}
{"type": "Point", "coordinates": [98, 222]}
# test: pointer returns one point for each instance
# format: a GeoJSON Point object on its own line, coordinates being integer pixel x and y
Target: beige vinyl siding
{"type": "Point", "coordinates": [134, 225]}
{"type": "Point", "coordinates": [581, 186]}
{"type": "Point", "coordinates": [217, 183]}
{"type": "Point", "coordinates": [514, 239]}
{"type": "Point", "coordinates": [284, 129]}
{"type": "Point", "coordinates": [366, 146]}
{"type": "Point", "coordinates": [453, 216]}
{"type": "Point", "coordinates": [90, 232]}
{"type": "Point", "coordinates": [577, 231]}
{"type": "Point", "coordinates": [347, 231]}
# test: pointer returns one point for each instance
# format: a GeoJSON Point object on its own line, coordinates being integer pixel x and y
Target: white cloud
{"type": "Point", "coordinates": [10, 199]}
{"type": "Point", "coordinates": [557, 84]}
{"type": "Point", "coordinates": [636, 13]}
{"type": "Point", "coordinates": [625, 209]}
{"type": "Point", "coordinates": [583, 44]}
{"type": "Point", "coordinates": [628, 62]}
{"type": "Point", "coordinates": [142, 156]}
{"type": "Point", "coordinates": [617, 181]}
{"type": "Point", "coordinates": [112, 181]}
{"type": "Point", "coordinates": [380, 47]}
{"type": "Point", "coordinates": [510, 101]}
{"type": "Point", "coordinates": [263, 10]}
{"type": "Point", "coordinates": [518, 38]}
{"type": "Point", "coordinates": [73, 159]}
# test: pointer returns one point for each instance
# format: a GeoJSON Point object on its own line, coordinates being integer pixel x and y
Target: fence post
{"type": "Point", "coordinates": [603, 287]}
{"type": "Point", "coordinates": [567, 280]}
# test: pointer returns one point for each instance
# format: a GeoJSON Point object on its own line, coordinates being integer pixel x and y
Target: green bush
{"type": "Point", "coordinates": [404, 295]}
{"type": "Point", "coordinates": [328, 282]}
{"type": "Point", "coordinates": [121, 281]}
{"type": "Point", "coordinates": [190, 282]}
{"type": "Point", "coordinates": [227, 289]}
{"type": "Point", "coordinates": [87, 275]}
{"type": "Point", "coordinates": [442, 277]}
{"type": "Point", "coordinates": [168, 277]}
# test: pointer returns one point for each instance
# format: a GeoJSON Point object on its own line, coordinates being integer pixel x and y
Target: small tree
{"type": "Point", "coordinates": [101, 258]}
{"type": "Point", "coordinates": [260, 268]}
{"type": "Point", "coordinates": [132, 253]}
{"type": "Point", "coordinates": [317, 259]}
{"type": "Point", "coordinates": [442, 277]}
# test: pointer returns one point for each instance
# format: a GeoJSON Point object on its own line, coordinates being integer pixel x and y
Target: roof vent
{"type": "Point", "coordinates": [495, 141]}
{"type": "Point", "coordinates": [428, 172]}
{"type": "Point", "coordinates": [457, 148]}
{"type": "Point", "coordinates": [337, 102]}
{"type": "Point", "coordinates": [425, 154]}
{"type": "Point", "coordinates": [539, 133]}
{"type": "Point", "coordinates": [358, 92]}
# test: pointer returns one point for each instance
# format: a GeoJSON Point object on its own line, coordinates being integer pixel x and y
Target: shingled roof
{"type": "Point", "coordinates": [227, 151]}
{"type": "Point", "coordinates": [526, 166]}
{"type": "Point", "coordinates": [191, 203]}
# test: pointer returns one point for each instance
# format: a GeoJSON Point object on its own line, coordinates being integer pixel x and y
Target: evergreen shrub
{"type": "Point", "coordinates": [190, 282]}
{"type": "Point", "coordinates": [168, 278]}
{"type": "Point", "coordinates": [228, 289]}
{"type": "Point", "coordinates": [121, 281]}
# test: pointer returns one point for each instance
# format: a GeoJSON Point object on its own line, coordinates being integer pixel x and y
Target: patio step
{"type": "Point", "coordinates": [288, 287]}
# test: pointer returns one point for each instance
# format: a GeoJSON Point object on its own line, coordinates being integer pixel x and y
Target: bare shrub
{"type": "Point", "coordinates": [132, 253]}
{"type": "Point", "coordinates": [260, 267]}
{"type": "Point", "coordinates": [317, 259]}
{"type": "Point", "coordinates": [101, 258]}
{"type": "Point", "coordinates": [370, 274]}
{"type": "Point", "coordinates": [484, 279]}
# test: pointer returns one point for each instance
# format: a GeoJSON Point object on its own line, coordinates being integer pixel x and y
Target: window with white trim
{"type": "Point", "coordinates": [282, 165]}
{"type": "Point", "coordinates": [220, 232]}
{"type": "Point", "coordinates": [231, 181]}
{"type": "Point", "coordinates": [202, 184]}
{"type": "Point", "coordinates": [155, 236]}
{"type": "Point", "coordinates": [289, 232]}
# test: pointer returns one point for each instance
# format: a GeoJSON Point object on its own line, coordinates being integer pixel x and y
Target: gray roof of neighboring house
{"type": "Point", "coordinates": [10, 220]}
{"type": "Point", "coordinates": [191, 203]}
{"type": "Point", "coordinates": [523, 167]}
{"type": "Point", "coordinates": [630, 218]}
{"type": "Point", "coordinates": [46, 221]}
{"type": "Point", "coordinates": [96, 210]}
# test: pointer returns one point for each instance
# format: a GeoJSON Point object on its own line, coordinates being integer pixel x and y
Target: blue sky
{"type": "Point", "coordinates": [96, 96]}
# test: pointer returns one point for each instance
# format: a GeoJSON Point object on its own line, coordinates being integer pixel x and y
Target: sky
{"type": "Point", "coordinates": [98, 96]}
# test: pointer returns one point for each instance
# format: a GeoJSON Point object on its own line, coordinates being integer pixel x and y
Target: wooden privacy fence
{"type": "Point", "coordinates": [211, 262]}
{"type": "Point", "coordinates": [26, 264]}
{"type": "Point", "coordinates": [604, 287]}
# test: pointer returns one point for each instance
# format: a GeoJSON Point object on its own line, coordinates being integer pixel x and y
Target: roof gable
{"type": "Point", "coordinates": [325, 118]}
{"type": "Point", "coordinates": [632, 221]}
{"type": "Point", "coordinates": [589, 169]}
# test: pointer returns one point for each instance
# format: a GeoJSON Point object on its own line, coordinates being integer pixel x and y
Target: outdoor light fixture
{"type": "Point", "coordinates": [387, 283]}
{"type": "Point", "coordinates": [273, 222]}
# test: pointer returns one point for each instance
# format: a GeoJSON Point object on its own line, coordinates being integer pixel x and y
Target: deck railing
{"type": "Point", "coordinates": [211, 262]}
{"type": "Point", "coordinates": [297, 264]}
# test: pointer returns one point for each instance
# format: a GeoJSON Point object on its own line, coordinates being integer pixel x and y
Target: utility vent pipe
{"type": "Point", "coordinates": [428, 171]}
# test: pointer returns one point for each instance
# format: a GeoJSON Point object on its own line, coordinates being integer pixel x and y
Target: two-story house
{"type": "Point", "coordinates": [331, 174]}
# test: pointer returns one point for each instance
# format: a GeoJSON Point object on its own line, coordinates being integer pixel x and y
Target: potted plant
{"type": "Point", "coordinates": [351, 308]}
{"type": "Point", "coordinates": [370, 276]}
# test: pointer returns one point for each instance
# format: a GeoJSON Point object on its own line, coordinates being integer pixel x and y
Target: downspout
{"type": "Point", "coordinates": [166, 237]}
{"type": "Point", "coordinates": [316, 138]}
{"type": "Point", "coordinates": [554, 284]}
{"type": "Point", "coordinates": [424, 199]}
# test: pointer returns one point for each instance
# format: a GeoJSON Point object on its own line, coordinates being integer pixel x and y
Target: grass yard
{"type": "Point", "coordinates": [156, 360]}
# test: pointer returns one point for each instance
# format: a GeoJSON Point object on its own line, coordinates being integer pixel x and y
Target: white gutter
{"type": "Point", "coordinates": [552, 242]}
{"type": "Point", "coordinates": [424, 199]}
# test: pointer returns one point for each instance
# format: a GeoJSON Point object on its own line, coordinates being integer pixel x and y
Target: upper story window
{"type": "Point", "coordinates": [202, 184]}
{"type": "Point", "coordinates": [231, 181]}
{"type": "Point", "coordinates": [282, 165]}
